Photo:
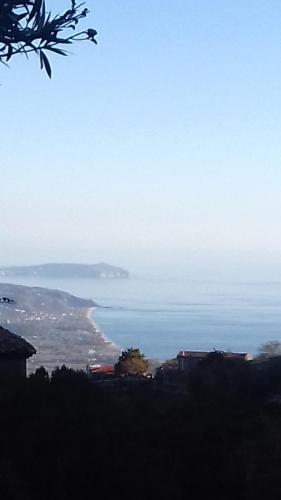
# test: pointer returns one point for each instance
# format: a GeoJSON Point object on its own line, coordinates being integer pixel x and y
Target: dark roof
{"type": "Point", "coordinates": [192, 354]}
{"type": "Point", "coordinates": [236, 355]}
{"type": "Point", "coordinates": [202, 354]}
{"type": "Point", "coordinates": [14, 345]}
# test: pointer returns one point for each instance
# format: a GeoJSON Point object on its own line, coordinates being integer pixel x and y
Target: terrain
{"type": "Point", "coordinates": [57, 325]}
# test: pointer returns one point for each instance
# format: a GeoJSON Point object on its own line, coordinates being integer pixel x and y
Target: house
{"type": "Point", "coordinates": [14, 351]}
{"type": "Point", "coordinates": [189, 360]}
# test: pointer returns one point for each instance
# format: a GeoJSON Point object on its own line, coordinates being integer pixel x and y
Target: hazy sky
{"type": "Point", "coordinates": [161, 142]}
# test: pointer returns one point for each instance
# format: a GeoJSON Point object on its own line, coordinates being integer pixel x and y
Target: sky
{"type": "Point", "coordinates": [158, 148]}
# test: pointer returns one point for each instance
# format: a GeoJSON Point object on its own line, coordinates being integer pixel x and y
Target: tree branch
{"type": "Point", "coordinates": [26, 26]}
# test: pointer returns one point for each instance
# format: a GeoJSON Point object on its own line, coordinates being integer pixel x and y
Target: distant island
{"type": "Point", "coordinates": [60, 270]}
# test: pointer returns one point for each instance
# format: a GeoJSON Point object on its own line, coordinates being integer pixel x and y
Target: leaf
{"type": "Point", "coordinates": [9, 53]}
{"type": "Point", "coordinates": [61, 40]}
{"type": "Point", "coordinates": [36, 9]}
{"type": "Point", "coordinates": [13, 17]}
{"type": "Point", "coordinates": [58, 51]}
{"type": "Point", "coordinates": [3, 62]}
{"type": "Point", "coordinates": [41, 60]}
{"type": "Point", "coordinates": [47, 22]}
{"type": "Point", "coordinates": [44, 62]}
{"type": "Point", "coordinates": [41, 17]}
{"type": "Point", "coordinates": [21, 16]}
{"type": "Point", "coordinates": [34, 48]}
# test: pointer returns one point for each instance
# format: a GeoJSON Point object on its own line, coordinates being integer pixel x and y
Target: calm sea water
{"type": "Point", "coordinates": [163, 316]}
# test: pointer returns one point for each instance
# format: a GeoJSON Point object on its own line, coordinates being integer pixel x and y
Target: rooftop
{"type": "Point", "coordinates": [202, 354]}
{"type": "Point", "coordinates": [192, 354]}
{"type": "Point", "coordinates": [103, 370]}
{"type": "Point", "coordinates": [14, 345]}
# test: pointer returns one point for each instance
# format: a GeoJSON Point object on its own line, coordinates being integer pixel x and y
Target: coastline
{"type": "Point", "coordinates": [59, 325]}
{"type": "Point", "coordinates": [110, 343]}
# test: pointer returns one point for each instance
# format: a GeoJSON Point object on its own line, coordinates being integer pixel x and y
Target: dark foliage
{"type": "Point", "coordinates": [26, 26]}
{"type": "Point", "coordinates": [64, 437]}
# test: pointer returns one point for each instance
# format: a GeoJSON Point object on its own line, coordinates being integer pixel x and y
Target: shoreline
{"type": "Point", "coordinates": [59, 325]}
{"type": "Point", "coordinates": [107, 341]}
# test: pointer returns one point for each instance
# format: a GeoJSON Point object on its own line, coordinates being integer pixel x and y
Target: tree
{"type": "Point", "coordinates": [26, 26]}
{"type": "Point", "coordinates": [270, 349]}
{"type": "Point", "coordinates": [214, 358]}
{"type": "Point", "coordinates": [131, 362]}
{"type": "Point", "coordinates": [40, 374]}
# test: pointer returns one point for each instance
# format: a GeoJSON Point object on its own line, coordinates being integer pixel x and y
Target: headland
{"type": "Point", "coordinates": [58, 324]}
{"type": "Point", "coordinates": [66, 270]}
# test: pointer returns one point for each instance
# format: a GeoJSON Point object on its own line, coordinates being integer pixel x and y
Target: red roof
{"type": "Point", "coordinates": [104, 370]}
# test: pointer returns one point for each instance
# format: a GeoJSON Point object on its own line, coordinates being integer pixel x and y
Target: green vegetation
{"type": "Point", "coordinates": [270, 349]}
{"type": "Point", "coordinates": [131, 362]}
{"type": "Point", "coordinates": [27, 26]}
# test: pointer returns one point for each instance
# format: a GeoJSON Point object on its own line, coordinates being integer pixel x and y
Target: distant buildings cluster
{"type": "Point", "coordinates": [14, 351]}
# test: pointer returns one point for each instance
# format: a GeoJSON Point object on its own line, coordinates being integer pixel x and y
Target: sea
{"type": "Point", "coordinates": [162, 316]}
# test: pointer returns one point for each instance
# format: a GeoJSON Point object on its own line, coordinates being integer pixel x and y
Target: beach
{"type": "Point", "coordinates": [107, 350]}
{"type": "Point", "coordinates": [159, 316]}
{"type": "Point", "coordinates": [59, 325]}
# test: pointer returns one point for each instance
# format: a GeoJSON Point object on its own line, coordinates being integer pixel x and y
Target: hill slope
{"type": "Point", "coordinates": [56, 324]}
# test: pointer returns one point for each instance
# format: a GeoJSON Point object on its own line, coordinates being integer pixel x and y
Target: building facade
{"type": "Point", "coordinates": [14, 351]}
{"type": "Point", "coordinates": [189, 360]}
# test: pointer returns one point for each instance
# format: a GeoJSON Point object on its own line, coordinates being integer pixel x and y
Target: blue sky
{"type": "Point", "coordinates": [161, 143]}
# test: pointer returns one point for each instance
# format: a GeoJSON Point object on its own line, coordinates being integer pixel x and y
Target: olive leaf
{"type": "Point", "coordinates": [27, 26]}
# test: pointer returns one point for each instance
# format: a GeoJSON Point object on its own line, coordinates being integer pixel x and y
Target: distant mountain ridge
{"type": "Point", "coordinates": [68, 270]}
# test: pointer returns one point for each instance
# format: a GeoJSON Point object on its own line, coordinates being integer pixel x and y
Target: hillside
{"type": "Point", "coordinates": [68, 270]}
{"type": "Point", "coordinates": [56, 324]}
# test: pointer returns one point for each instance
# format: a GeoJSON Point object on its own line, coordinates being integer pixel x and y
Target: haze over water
{"type": "Point", "coordinates": [164, 315]}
